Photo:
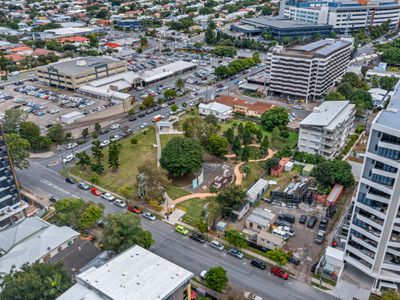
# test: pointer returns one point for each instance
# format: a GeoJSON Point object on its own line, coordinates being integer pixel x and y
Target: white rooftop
{"type": "Point", "coordinates": [167, 70]}
{"type": "Point", "coordinates": [216, 106]}
{"type": "Point", "coordinates": [129, 77]}
{"type": "Point", "coordinates": [104, 92]}
{"type": "Point", "coordinates": [252, 193]}
{"type": "Point", "coordinates": [328, 114]}
{"type": "Point", "coordinates": [30, 240]}
{"type": "Point", "coordinates": [134, 274]}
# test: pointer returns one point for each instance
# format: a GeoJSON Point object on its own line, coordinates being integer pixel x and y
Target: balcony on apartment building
{"type": "Point", "coordinates": [364, 228]}
{"type": "Point", "coordinates": [372, 206]}
{"type": "Point", "coordinates": [377, 195]}
{"type": "Point", "coordinates": [389, 141]}
{"type": "Point", "coordinates": [364, 241]}
{"type": "Point", "coordinates": [369, 219]}
{"type": "Point", "coordinates": [384, 169]}
{"type": "Point", "coordinates": [354, 259]}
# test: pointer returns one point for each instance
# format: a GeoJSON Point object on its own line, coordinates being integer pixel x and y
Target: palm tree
{"type": "Point", "coordinates": [180, 84]}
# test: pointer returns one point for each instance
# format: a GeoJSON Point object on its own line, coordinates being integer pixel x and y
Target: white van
{"type": "Point", "coordinates": [281, 233]}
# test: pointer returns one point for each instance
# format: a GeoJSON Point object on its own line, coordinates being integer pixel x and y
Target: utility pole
{"type": "Point", "coordinates": [141, 179]}
{"type": "Point", "coordinates": [206, 214]}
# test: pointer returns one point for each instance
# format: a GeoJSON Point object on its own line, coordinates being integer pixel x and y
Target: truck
{"type": "Point", "coordinates": [157, 118]}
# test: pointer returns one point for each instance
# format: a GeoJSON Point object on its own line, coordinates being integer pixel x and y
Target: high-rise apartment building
{"type": "Point", "coordinates": [12, 208]}
{"type": "Point", "coordinates": [373, 244]}
{"type": "Point", "coordinates": [307, 71]}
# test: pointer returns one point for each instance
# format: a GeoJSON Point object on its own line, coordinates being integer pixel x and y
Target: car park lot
{"type": "Point", "coordinates": [45, 105]}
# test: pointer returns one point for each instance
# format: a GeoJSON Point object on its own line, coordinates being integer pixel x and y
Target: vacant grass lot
{"type": "Point", "coordinates": [175, 192]}
{"type": "Point", "coordinates": [130, 158]}
{"type": "Point", "coordinates": [256, 172]}
{"type": "Point", "coordinates": [194, 208]}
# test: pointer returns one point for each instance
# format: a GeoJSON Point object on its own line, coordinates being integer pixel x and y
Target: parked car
{"type": "Point", "coordinates": [197, 237]}
{"type": "Point", "coordinates": [323, 224]}
{"type": "Point", "coordinates": [115, 126]}
{"type": "Point", "coordinates": [258, 263]}
{"type": "Point", "coordinates": [294, 260]}
{"type": "Point", "coordinates": [95, 192]}
{"type": "Point", "coordinates": [101, 223]}
{"type": "Point", "coordinates": [141, 115]}
{"type": "Point", "coordinates": [217, 245]}
{"type": "Point", "coordinates": [144, 125]}
{"type": "Point", "coordinates": [71, 146]}
{"type": "Point", "coordinates": [107, 196]}
{"type": "Point", "coordinates": [104, 131]}
{"type": "Point", "coordinates": [67, 158]}
{"type": "Point", "coordinates": [287, 217]}
{"type": "Point", "coordinates": [70, 180]}
{"type": "Point", "coordinates": [120, 203]}
{"type": "Point", "coordinates": [303, 219]}
{"type": "Point", "coordinates": [283, 223]}
{"type": "Point", "coordinates": [312, 221]}
{"type": "Point", "coordinates": [251, 296]}
{"type": "Point", "coordinates": [131, 119]}
{"type": "Point", "coordinates": [203, 274]}
{"type": "Point", "coordinates": [319, 239]}
{"type": "Point", "coordinates": [182, 230]}
{"type": "Point", "coordinates": [83, 185]}
{"type": "Point", "coordinates": [134, 209]}
{"type": "Point", "coordinates": [149, 216]}
{"type": "Point", "coordinates": [277, 271]}
{"type": "Point", "coordinates": [53, 199]}
{"type": "Point", "coordinates": [290, 231]}
{"type": "Point", "coordinates": [104, 143]}
{"type": "Point", "coordinates": [235, 253]}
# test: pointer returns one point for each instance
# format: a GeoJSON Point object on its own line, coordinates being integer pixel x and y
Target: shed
{"type": "Point", "coordinates": [71, 117]}
{"type": "Point", "coordinates": [334, 194]}
{"type": "Point", "coordinates": [257, 190]}
{"type": "Point", "coordinates": [307, 170]}
{"type": "Point", "coordinates": [289, 166]}
{"type": "Point", "coordinates": [333, 262]}
{"type": "Point", "coordinates": [238, 214]}
{"type": "Point", "coordinates": [221, 226]}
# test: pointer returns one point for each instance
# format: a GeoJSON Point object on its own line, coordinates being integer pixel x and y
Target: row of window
{"type": "Point", "coordinates": [384, 167]}
{"type": "Point", "coordinates": [388, 153]}
{"type": "Point", "coordinates": [388, 138]}
{"type": "Point", "coordinates": [382, 179]}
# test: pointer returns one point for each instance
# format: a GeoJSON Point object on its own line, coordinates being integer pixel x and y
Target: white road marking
{"type": "Point", "coordinates": [55, 186]}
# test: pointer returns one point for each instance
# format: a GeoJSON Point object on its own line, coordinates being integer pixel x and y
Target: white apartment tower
{"type": "Point", "coordinates": [308, 71]}
{"type": "Point", "coordinates": [326, 130]}
{"type": "Point", "coordinates": [373, 244]}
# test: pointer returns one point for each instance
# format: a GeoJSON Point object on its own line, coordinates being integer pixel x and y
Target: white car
{"type": "Point", "coordinates": [144, 125]}
{"type": "Point", "coordinates": [251, 296]}
{"type": "Point", "coordinates": [104, 143]}
{"type": "Point", "coordinates": [120, 203]}
{"type": "Point", "coordinates": [115, 138]}
{"type": "Point", "coordinates": [108, 196]}
{"type": "Point", "coordinates": [115, 126]}
{"type": "Point", "coordinates": [68, 158]}
{"type": "Point", "coordinates": [149, 216]}
{"type": "Point", "coordinates": [203, 274]}
{"type": "Point", "coordinates": [217, 245]}
{"type": "Point", "coordinates": [71, 145]}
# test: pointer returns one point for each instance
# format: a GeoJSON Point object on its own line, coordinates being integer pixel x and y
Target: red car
{"type": "Point", "coordinates": [134, 209]}
{"type": "Point", "coordinates": [95, 191]}
{"type": "Point", "coordinates": [279, 272]}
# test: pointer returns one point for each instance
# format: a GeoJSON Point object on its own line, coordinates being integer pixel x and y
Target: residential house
{"type": "Point", "coordinates": [74, 40]}
{"type": "Point", "coordinates": [249, 109]}
{"type": "Point", "coordinates": [221, 111]}
{"type": "Point", "coordinates": [21, 50]}
{"type": "Point", "coordinates": [32, 240]}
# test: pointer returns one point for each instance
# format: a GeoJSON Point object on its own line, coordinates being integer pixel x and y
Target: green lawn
{"type": "Point", "coordinates": [131, 157]}
{"type": "Point", "coordinates": [256, 172]}
{"type": "Point", "coordinates": [194, 209]}
{"type": "Point", "coordinates": [278, 144]}
{"type": "Point", "coordinates": [176, 192]}
{"type": "Point", "coordinates": [165, 138]}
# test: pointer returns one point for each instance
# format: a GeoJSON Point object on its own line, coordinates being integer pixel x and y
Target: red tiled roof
{"type": "Point", "coordinates": [258, 107]}
{"type": "Point", "coordinates": [14, 57]}
{"type": "Point", "coordinates": [39, 52]}
{"type": "Point", "coordinates": [113, 45]}
{"type": "Point", "coordinates": [73, 39]}
{"type": "Point", "coordinates": [22, 48]}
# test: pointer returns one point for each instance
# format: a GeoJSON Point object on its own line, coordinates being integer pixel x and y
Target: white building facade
{"type": "Point", "coordinates": [373, 244]}
{"type": "Point", "coordinates": [326, 130]}
{"type": "Point", "coordinates": [221, 111]}
{"type": "Point", "coordinates": [309, 71]}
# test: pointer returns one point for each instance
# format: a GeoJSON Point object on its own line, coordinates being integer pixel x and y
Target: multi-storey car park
{"type": "Point", "coordinates": [308, 71]}
{"type": "Point", "coordinates": [373, 244]}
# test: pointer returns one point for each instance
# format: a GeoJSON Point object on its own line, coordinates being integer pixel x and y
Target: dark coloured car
{"type": "Point", "coordinates": [141, 115]}
{"type": "Point", "coordinates": [258, 263]}
{"type": "Point", "coordinates": [171, 102]}
{"type": "Point", "coordinates": [303, 219]}
{"type": "Point", "coordinates": [294, 260]}
{"type": "Point", "coordinates": [131, 119]}
{"type": "Point", "coordinates": [53, 199]}
{"type": "Point", "coordinates": [311, 222]}
{"type": "Point", "coordinates": [70, 180]}
{"type": "Point", "coordinates": [323, 224]}
{"type": "Point", "coordinates": [283, 223]}
{"type": "Point", "coordinates": [197, 237]}
{"type": "Point", "coordinates": [104, 131]}
{"type": "Point", "coordinates": [287, 217]}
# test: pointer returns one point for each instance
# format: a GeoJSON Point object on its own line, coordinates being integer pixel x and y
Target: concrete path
{"type": "Point", "coordinates": [158, 146]}
{"type": "Point", "coordinates": [239, 175]}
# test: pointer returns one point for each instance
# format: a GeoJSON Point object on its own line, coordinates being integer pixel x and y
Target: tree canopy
{"type": "Point", "coordinates": [231, 198]}
{"type": "Point", "coordinates": [216, 279]}
{"type": "Point", "coordinates": [181, 156]}
{"type": "Point", "coordinates": [275, 117]}
{"type": "Point", "coordinates": [37, 281]}
{"type": "Point", "coordinates": [122, 231]}
{"type": "Point", "coordinates": [12, 119]}
{"type": "Point", "coordinates": [330, 172]}
{"type": "Point", "coordinates": [217, 145]}
{"type": "Point", "coordinates": [19, 150]}
{"type": "Point", "coordinates": [156, 180]}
